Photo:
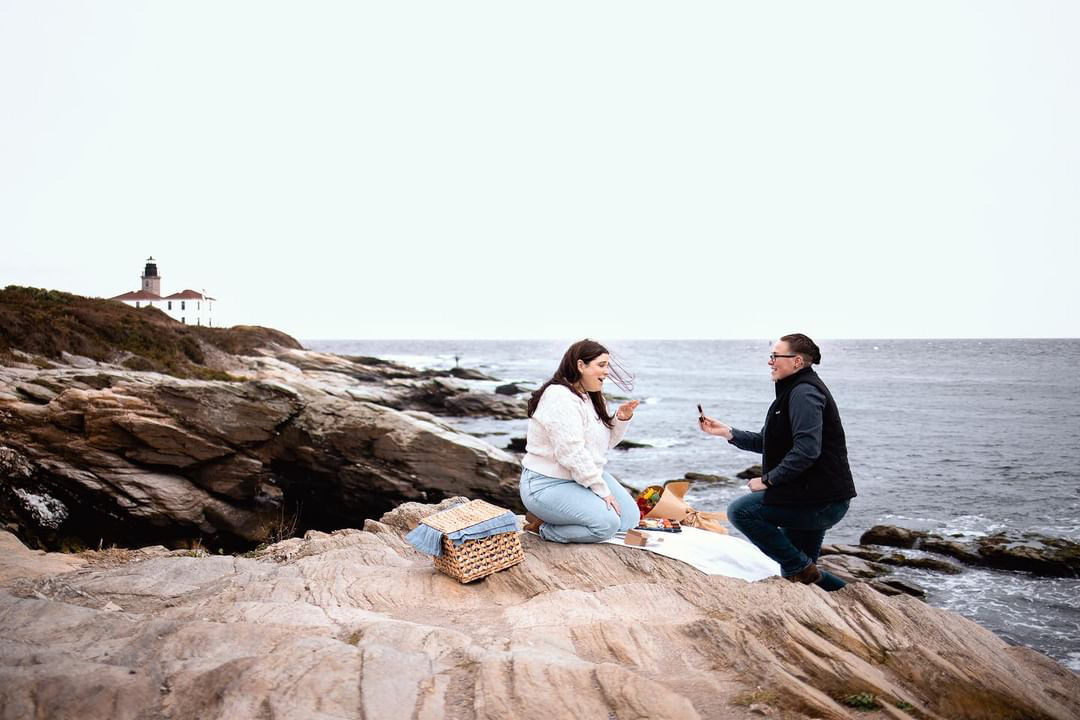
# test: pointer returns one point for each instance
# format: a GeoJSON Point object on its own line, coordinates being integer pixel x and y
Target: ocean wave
{"type": "Point", "coordinates": [972, 526]}
{"type": "Point", "coordinates": [1003, 602]}
{"type": "Point", "coordinates": [661, 442]}
{"type": "Point", "coordinates": [651, 400]}
{"type": "Point", "coordinates": [422, 362]}
{"type": "Point", "coordinates": [894, 516]}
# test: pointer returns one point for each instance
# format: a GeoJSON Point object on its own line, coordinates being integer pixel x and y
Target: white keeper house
{"type": "Point", "coordinates": [187, 306]}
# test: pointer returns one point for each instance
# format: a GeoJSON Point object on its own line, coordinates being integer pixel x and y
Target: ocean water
{"type": "Point", "coordinates": [950, 436]}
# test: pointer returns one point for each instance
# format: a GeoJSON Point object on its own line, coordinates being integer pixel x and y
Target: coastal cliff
{"type": "Point", "coordinates": [218, 437]}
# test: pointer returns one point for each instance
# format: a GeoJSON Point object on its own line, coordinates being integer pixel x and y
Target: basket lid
{"type": "Point", "coordinates": [462, 516]}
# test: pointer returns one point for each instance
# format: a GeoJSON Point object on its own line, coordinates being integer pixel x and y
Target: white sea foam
{"type": "Point", "coordinates": [422, 362]}
{"type": "Point", "coordinates": [972, 526]}
{"type": "Point", "coordinates": [1002, 602]}
{"type": "Point", "coordinates": [661, 442]}
{"type": "Point", "coordinates": [895, 516]}
{"type": "Point", "coordinates": [652, 400]}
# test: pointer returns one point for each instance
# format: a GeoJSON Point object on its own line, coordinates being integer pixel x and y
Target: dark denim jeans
{"type": "Point", "coordinates": [789, 534]}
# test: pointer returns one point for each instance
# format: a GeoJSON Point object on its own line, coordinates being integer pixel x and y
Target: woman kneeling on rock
{"type": "Point", "coordinates": [563, 484]}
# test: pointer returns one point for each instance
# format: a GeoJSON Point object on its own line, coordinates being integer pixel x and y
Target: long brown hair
{"type": "Point", "coordinates": [567, 374]}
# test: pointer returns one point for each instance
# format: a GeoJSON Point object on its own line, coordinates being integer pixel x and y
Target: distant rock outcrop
{"type": "Point", "coordinates": [631, 445]}
{"type": "Point", "coordinates": [1030, 552]}
{"type": "Point", "coordinates": [469, 374]}
{"type": "Point", "coordinates": [705, 478]}
{"type": "Point", "coordinates": [751, 472]}
{"type": "Point", "coordinates": [512, 389]}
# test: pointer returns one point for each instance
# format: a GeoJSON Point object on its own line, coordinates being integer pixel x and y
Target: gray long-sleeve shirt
{"type": "Point", "coordinates": [805, 408]}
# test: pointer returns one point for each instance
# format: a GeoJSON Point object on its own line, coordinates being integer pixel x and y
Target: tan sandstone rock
{"type": "Point", "coordinates": [356, 624]}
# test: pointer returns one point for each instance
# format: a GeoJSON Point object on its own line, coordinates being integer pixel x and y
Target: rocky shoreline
{"type": "Point", "coordinates": [219, 570]}
{"type": "Point", "coordinates": [93, 453]}
{"type": "Point", "coordinates": [357, 624]}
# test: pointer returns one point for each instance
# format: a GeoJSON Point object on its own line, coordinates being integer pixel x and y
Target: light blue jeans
{"type": "Point", "coordinates": [573, 513]}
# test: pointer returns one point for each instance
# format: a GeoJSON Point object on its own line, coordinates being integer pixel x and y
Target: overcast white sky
{"type": "Point", "coordinates": [553, 169]}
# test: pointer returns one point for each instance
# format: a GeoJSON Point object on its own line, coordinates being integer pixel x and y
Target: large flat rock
{"type": "Point", "coordinates": [356, 624]}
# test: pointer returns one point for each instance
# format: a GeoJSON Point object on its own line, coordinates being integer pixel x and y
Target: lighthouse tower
{"type": "Point", "coordinates": [151, 282]}
{"type": "Point", "coordinates": [187, 306]}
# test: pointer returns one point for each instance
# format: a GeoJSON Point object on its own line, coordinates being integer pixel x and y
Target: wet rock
{"type": "Point", "coordinates": [444, 396]}
{"type": "Point", "coordinates": [469, 374]}
{"type": "Point", "coordinates": [1029, 552]}
{"type": "Point", "coordinates": [631, 445]}
{"type": "Point", "coordinates": [953, 548]}
{"type": "Point", "coordinates": [892, 536]}
{"type": "Point", "coordinates": [517, 445]}
{"type": "Point", "coordinates": [903, 586]}
{"type": "Point", "coordinates": [923, 562]}
{"type": "Point", "coordinates": [854, 562]}
{"type": "Point", "coordinates": [751, 472]}
{"type": "Point", "coordinates": [705, 478]}
{"type": "Point", "coordinates": [858, 551]}
{"type": "Point", "coordinates": [513, 389]}
{"type": "Point", "coordinates": [486, 404]}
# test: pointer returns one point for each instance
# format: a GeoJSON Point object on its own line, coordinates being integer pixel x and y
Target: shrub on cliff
{"type": "Point", "coordinates": [50, 322]}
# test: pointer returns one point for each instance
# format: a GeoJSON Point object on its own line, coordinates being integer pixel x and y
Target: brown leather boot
{"type": "Point", "coordinates": [807, 576]}
{"type": "Point", "coordinates": [532, 523]}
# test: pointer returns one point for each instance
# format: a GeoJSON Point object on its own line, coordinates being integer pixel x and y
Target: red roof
{"type": "Point", "coordinates": [138, 295]}
{"type": "Point", "coordinates": [188, 295]}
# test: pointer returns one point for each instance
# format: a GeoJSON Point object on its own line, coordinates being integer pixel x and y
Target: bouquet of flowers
{"type": "Point", "coordinates": [667, 501]}
{"type": "Point", "coordinates": [647, 499]}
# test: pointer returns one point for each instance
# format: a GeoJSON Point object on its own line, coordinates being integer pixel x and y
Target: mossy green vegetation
{"type": "Point", "coordinates": [46, 323]}
{"type": "Point", "coordinates": [862, 701]}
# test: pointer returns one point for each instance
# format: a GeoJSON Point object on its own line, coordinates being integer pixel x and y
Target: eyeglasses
{"type": "Point", "coordinates": [773, 356]}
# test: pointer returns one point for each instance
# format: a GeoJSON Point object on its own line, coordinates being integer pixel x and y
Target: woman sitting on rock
{"type": "Point", "coordinates": [563, 484]}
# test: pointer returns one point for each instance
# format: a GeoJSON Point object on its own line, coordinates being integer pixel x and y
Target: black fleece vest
{"type": "Point", "coordinates": [829, 478]}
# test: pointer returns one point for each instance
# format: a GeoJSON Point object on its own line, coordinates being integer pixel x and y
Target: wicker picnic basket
{"type": "Point", "coordinates": [474, 559]}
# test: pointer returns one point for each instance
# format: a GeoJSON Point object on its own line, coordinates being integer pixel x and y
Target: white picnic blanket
{"type": "Point", "coordinates": [711, 553]}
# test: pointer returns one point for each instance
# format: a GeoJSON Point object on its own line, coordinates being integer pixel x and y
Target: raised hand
{"type": "Point", "coordinates": [626, 410]}
{"type": "Point", "coordinates": [714, 427]}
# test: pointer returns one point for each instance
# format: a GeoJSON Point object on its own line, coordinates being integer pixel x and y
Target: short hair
{"type": "Point", "coordinates": [804, 346]}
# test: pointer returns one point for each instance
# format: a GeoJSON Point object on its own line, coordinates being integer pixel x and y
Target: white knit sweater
{"type": "Point", "coordinates": [566, 439]}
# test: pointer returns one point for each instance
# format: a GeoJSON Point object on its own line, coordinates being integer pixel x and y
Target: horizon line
{"type": "Point", "coordinates": [686, 339]}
